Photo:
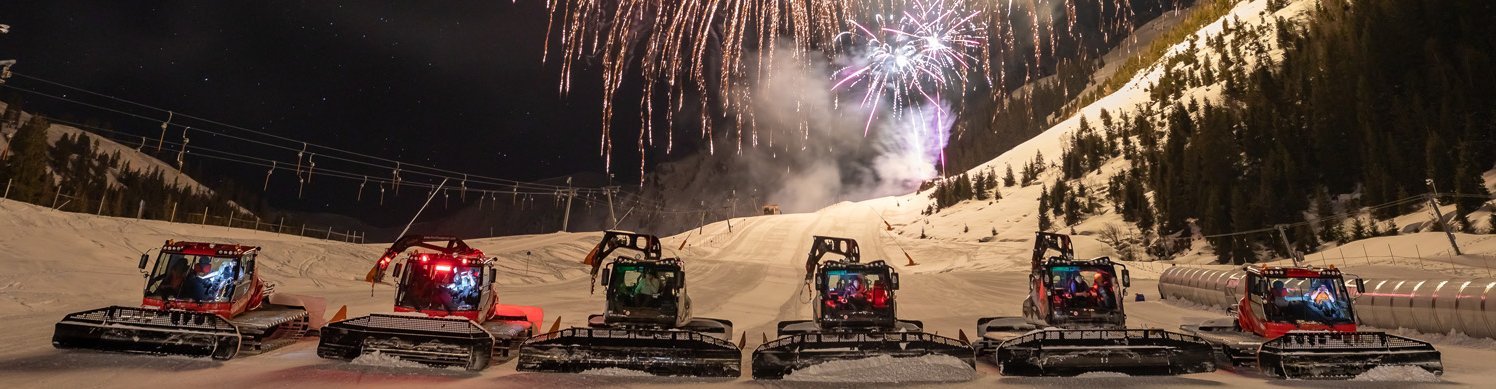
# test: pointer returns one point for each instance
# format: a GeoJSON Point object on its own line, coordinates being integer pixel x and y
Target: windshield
{"type": "Point", "coordinates": [192, 277]}
{"type": "Point", "coordinates": [1077, 288]}
{"type": "Point", "coordinates": [856, 294]}
{"type": "Point", "coordinates": [1322, 300]}
{"type": "Point", "coordinates": [639, 287]}
{"type": "Point", "coordinates": [441, 286]}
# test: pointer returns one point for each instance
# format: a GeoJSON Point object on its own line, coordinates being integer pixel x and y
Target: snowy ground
{"type": "Point", "coordinates": [750, 275]}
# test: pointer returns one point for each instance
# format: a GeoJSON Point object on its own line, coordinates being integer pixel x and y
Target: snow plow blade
{"type": "Point", "coordinates": [1132, 352]}
{"type": "Point", "coordinates": [787, 354]}
{"type": "Point", "coordinates": [432, 341]}
{"type": "Point", "coordinates": [1342, 355]}
{"type": "Point", "coordinates": [658, 352]}
{"type": "Point", "coordinates": [146, 331]}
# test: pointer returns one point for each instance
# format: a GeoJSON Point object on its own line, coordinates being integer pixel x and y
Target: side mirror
{"type": "Point", "coordinates": [894, 282]}
{"type": "Point", "coordinates": [143, 259]}
{"type": "Point", "coordinates": [1231, 310]}
{"type": "Point", "coordinates": [1126, 278]}
{"type": "Point", "coordinates": [1360, 285]}
{"type": "Point", "coordinates": [397, 270]}
{"type": "Point", "coordinates": [607, 274]}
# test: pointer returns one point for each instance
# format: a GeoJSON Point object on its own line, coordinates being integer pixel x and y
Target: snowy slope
{"type": "Point", "coordinates": [750, 273]}
{"type": "Point", "coordinates": [130, 158]}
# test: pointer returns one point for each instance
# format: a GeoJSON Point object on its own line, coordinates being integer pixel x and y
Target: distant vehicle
{"type": "Point", "coordinates": [646, 324]}
{"type": "Point", "coordinates": [1073, 323]}
{"type": "Point", "coordinates": [771, 209]}
{"type": "Point", "coordinates": [201, 300]}
{"type": "Point", "coordinates": [855, 318]}
{"type": "Point", "coordinates": [1299, 322]}
{"type": "Point", "coordinates": [459, 323]}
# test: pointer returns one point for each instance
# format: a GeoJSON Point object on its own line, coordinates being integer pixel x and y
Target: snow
{"type": "Point", "coordinates": [887, 370]}
{"type": "Point", "coordinates": [1102, 374]}
{"type": "Point", "coordinates": [380, 359]}
{"type": "Point", "coordinates": [616, 372]}
{"type": "Point", "coordinates": [1397, 374]}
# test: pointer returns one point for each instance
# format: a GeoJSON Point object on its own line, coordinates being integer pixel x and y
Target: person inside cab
{"type": "Point", "coordinates": [169, 283]}
{"type": "Point", "coordinates": [1323, 305]}
{"type": "Point", "coordinates": [463, 289]}
{"type": "Point", "coordinates": [647, 288]}
{"type": "Point", "coordinates": [1102, 289]}
{"type": "Point", "coordinates": [200, 285]}
{"type": "Point", "coordinates": [879, 295]}
{"type": "Point", "coordinates": [852, 292]}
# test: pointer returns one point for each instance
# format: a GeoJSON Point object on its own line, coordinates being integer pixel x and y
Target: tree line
{"type": "Point", "coordinates": [1368, 101]}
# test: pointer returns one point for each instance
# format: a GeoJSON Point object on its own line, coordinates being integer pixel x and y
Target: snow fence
{"type": "Point", "coordinates": [1467, 306]}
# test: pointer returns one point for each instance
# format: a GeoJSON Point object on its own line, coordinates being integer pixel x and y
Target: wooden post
{"type": "Point", "coordinates": [173, 218]}
{"type": "Point", "coordinates": [205, 215]}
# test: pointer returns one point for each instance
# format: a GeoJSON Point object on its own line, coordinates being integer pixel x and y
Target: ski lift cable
{"type": "Point", "coordinates": [492, 180]}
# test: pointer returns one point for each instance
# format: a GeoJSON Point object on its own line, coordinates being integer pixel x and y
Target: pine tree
{"type": "Point", "coordinates": [1044, 222]}
{"type": "Point", "coordinates": [28, 165]}
{"type": "Point", "coordinates": [1358, 229]}
{"type": "Point", "coordinates": [1008, 179]}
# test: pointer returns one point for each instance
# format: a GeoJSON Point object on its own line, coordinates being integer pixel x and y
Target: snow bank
{"type": "Point", "coordinates": [1397, 374]}
{"type": "Point", "coordinates": [1102, 374]}
{"type": "Point", "coordinates": [379, 359]}
{"type": "Point", "coordinates": [888, 370]}
{"type": "Point", "coordinates": [616, 372]}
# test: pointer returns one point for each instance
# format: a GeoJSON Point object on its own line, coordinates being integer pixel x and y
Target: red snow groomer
{"type": "Point", "coordinates": [447, 311]}
{"type": "Point", "coordinates": [1298, 322]}
{"type": "Point", "coordinates": [201, 300]}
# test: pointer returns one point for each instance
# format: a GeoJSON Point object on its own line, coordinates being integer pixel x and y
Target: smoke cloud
{"type": "Point", "coordinates": [830, 160]}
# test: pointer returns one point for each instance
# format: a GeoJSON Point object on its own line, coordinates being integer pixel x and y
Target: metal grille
{"type": "Point", "coordinates": [153, 318]}
{"type": "Point", "coordinates": [420, 323]}
{"type": "Point", "coordinates": [1342, 340]}
{"type": "Point", "coordinates": [1104, 335]}
{"type": "Point", "coordinates": [855, 337]}
{"type": "Point", "coordinates": [631, 334]}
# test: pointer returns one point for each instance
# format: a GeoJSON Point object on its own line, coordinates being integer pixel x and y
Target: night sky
{"type": "Point", "coordinates": [458, 86]}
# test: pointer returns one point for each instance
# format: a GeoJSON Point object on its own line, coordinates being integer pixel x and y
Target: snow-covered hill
{"type": "Point", "coordinates": [1015, 216]}
{"type": "Point", "coordinates": [130, 157]}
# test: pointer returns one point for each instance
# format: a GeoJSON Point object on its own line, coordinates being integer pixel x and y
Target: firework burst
{"type": "Point", "coordinates": [918, 55]}
{"type": "Point", "coordinates": [697, 61]}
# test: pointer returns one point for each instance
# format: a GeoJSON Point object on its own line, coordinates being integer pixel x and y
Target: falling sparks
{"type": "Point", "coordinates": [917, 55]}
{"type": "Point", "coordinates": [695, 62]}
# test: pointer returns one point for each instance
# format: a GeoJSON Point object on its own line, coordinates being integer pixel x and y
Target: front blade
{"type": "Point", "coordinates": [431, 341]}
{"type": "Point", "coordinates": [1132, 352]}
{"type": "Point", "coordinates": [135, 330]}
{"type": "Point", "coordinates": [658, 352]}
{"type": "Point", "coordinates": [1342, 355]}
{"type": "Point", "coordinates": [783, 356]}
